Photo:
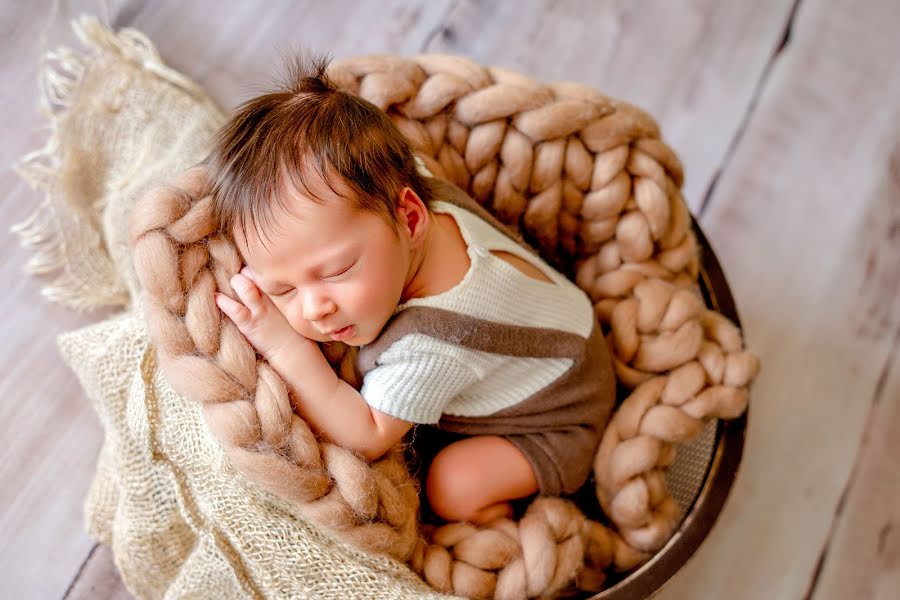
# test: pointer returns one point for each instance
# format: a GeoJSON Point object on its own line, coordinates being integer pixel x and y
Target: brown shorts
{"type": "Point", "coordinates": [561, 458]}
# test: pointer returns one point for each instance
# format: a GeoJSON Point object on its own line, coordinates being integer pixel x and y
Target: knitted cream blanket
{"type": "Point", "coordinates": [189, 505]}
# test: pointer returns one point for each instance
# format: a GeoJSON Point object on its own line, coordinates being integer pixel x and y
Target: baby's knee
{"type": "Point", "coordinates": [473, 474]}
{"type": "Point", "coordinates": [451, 488]}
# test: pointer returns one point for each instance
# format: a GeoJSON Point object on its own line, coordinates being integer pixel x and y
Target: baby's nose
{"type": "Point", "coordinates": [316, 308]}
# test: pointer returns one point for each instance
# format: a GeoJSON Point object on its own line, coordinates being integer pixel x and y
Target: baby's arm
{"type": "Point", "coordinates": [332, 407]}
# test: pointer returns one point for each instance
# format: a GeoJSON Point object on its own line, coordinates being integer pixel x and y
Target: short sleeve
{"type": "Point", "coordinates": [416, 386]}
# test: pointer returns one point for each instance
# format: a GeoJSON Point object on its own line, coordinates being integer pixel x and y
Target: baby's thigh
{"type": "Point", "coordinates": [480, 470]}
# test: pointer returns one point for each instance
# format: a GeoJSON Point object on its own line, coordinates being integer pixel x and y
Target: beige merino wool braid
{"type": "Point", "coordinates": [181, 261]}
{"type": "Point", "coordinates": [590, 184]}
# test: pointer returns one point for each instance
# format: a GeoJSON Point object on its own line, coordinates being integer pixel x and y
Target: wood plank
{"type": "Point", "coordinates": [805, 222]}
{"type": "Point", "coordinates": [693, 65]}
{"type": "Point", "coordinates": [98, 578]}
{"type": "Point", "coordinates": [49, 431]}
{"type": "Point", "coordinates": [233, 52]}
{"type": "Point", "coordinates": [863, 557]}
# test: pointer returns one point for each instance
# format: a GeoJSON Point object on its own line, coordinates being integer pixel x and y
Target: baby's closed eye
{"type": "Point", "coordinates": [341, 271]}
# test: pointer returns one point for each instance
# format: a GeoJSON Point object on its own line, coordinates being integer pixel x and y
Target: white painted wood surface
{"type": "Point", "coordinates": [806, 222]}
{"type": "Point", "coordinates": [863, 558]}
{"type": "Point", "coordinates": [805, 218]}
{"type": "Point", "coordinates": [50, 435]}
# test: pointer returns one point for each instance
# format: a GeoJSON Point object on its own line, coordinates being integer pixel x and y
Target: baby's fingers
{"type": "Point", "coordinates": [247, 291]}
{"type": "Point", "coordinates": [259, 305]}
{"type": "Point", "coordinates": [235, 311]}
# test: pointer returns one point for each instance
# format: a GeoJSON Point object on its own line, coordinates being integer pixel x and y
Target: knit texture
{"type": "Point", "coordinates": [193, 508]}
{"type": "Point", "coordinates": [421, 377]}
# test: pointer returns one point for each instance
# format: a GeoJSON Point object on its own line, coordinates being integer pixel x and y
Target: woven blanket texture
{"type": "Point", "coordinates": [188, 509]}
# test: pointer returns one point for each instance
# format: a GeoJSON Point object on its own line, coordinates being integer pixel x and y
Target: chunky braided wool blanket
{"type": "Point", "coordinates": [209, 483]}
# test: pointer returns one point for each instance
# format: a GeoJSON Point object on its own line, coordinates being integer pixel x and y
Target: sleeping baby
{"type": "Point", "coordinates": [462, 329]}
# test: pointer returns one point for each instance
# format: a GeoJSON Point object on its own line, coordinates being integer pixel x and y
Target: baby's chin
{"type": "Point", "coordinates": [358, 340]}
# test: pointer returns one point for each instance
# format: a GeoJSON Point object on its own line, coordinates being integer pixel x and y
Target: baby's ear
{"type": "Point", "coordinates": [412, 215]}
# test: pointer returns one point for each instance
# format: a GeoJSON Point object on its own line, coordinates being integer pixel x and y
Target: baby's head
{"type": "Point", "coordinates": [323, 198]}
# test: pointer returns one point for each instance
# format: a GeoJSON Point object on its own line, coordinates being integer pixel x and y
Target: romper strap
{"type": "Point", "coordinates": [445, 191]}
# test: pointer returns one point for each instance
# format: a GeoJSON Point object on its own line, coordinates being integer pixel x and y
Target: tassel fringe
{"type": "Point", "coordinates": [44, 232]}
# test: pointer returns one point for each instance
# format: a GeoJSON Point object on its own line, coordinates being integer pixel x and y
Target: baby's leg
{"type": "Point", "coordinates": [474, 479]}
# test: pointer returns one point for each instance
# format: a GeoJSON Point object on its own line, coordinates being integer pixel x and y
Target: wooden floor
{"type": "Point", "coordinates": [786, 114]}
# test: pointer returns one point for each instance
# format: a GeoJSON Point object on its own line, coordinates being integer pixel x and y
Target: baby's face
{"type": "Point", "coordinates": [335, 273]}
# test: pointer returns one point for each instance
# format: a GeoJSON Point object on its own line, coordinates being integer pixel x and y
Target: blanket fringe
{"type": "Point", "coordinates": [42, 233]}
{"type": "Point", "coordinates": [134, 46]}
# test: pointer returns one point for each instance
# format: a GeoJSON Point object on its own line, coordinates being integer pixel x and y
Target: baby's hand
{"type": "Point", "coordinates": [258, 318]}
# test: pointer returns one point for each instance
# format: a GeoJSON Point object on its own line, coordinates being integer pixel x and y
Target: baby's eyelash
{"type": "Point", "coordinates": [342, 271]}
{"type": "Point", "coordinates": [284, 293]}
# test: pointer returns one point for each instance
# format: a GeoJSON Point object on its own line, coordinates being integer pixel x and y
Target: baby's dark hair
{"type": "Point", "coordinates": [271, 142]}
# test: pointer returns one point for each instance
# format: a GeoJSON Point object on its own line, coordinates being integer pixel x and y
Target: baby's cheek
{"type": "Point", "coordinates": [298, 324]}
{"type": "Point", "coordinates": [308, 331]}
{"type": "Point", "coordinates": [304, 328]}
{"type": "Point", "coordinates": [285, 309]}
